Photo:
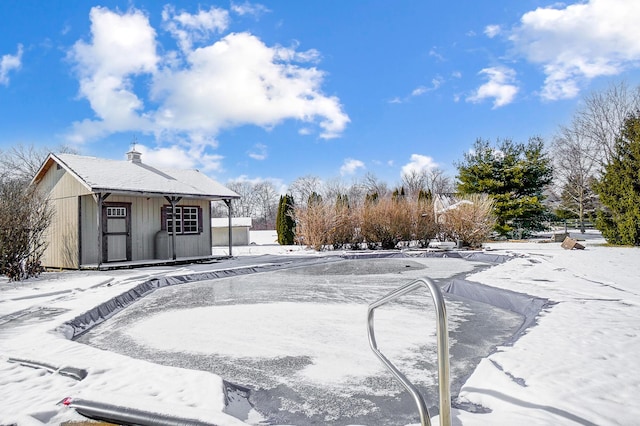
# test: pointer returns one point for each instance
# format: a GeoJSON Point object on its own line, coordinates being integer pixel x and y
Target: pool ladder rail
{"type": "Point", "coordinates": [443, 350]}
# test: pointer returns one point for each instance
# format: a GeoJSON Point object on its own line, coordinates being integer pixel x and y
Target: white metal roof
{"type": "Point", "coordinates": [102, 175]}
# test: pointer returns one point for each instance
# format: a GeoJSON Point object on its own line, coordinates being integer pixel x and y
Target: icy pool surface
{"type": "Point", "coordinates": [298, 337]}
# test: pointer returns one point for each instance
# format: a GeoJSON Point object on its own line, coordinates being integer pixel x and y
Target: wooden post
{"type": "Point", "coordinates": [99, 197]}
{"type": "Point", "coordinates": [228, 203]}
{"type": "Point", "coordinates": [173, 201]}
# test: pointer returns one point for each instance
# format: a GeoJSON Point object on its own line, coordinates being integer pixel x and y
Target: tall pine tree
{"type": "Point", "coordinates": [515, 176]}
{"type": "Point", "coordinates": [619, 188]}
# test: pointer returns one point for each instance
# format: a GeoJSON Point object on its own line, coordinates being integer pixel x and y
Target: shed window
{"type": "Point", "coordinates": [188, 219]}
{"type": "Point", "coordinates": [116, 212]}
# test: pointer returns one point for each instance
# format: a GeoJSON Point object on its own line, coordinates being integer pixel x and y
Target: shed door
{"type": "Point", "coordinates": [117, 232]}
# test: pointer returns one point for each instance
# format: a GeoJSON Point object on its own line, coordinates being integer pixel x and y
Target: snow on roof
{"type": "Point", "coordinates": [223, 222]}
{"type": "Point", "coordinates": [103, 175]}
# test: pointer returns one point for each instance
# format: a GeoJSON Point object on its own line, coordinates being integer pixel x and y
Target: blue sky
{"type": "Point", "coordinates": [283, 89]}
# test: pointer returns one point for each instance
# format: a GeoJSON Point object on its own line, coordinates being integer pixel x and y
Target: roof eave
{"type": "Point", "coordinates": [121, 191]}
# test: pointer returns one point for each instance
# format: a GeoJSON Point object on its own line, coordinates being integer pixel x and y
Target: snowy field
{"type": "Point", "coordinates": [578, 365]}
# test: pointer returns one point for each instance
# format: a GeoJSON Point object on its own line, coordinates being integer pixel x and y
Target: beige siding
{"type": "Point", "coordinates": [239, 235]}
{"type": "Point", "coordinates": [194, 245]}
{"type": "Point", "coordinates": [73, 235]}
{"type": "Point", "coordinates": [62, 235]}
{"type": "Point", "coordinates": [145, 224]}
{"type": "Point", "coordinates": [89, 230]}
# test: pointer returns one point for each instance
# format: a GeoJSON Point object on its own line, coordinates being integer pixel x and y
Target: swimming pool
{"type": "Point", "coordinates": [296, 337]}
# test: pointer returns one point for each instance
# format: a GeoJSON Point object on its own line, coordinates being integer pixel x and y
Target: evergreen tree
{"type": "Point", "coordinates": [425, 195]}
{"type": "Point", "coordinates": [285, 223]}
{"type": "Point", "coordinates": [515, 176]}
{"type": "Point", "coordinates": [371, 198]}
{"type": "Point", "coordinates": [619, 188]}
{"type": "Point", "coordinates": [314, 198]}
{"type": "Point", "coordinates": [398, 194]}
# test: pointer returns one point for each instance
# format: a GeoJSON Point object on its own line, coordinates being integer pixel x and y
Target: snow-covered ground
{"type": "Point", "coordinates": [578, 365]}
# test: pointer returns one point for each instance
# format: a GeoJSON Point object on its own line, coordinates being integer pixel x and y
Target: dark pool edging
{"type": "Point", "coordinates": [84, 322]}
{"type": "Point", "coordinates": [527, 306]}
{"type": "Point", "coordinates": [478, 256]}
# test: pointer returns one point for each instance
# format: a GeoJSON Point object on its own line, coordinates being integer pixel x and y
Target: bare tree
{"type": "Point", "coordinates": [575, 171]}
{"type": "Point", "coordinates": [601, 117]}
{"type": "Point", "coordinates": [414, 181]}
{"type": "Point", "coordinates": [258, 200]}
{"type": "Point", "coordinates": [333, 188]}
{"type": "Point", "coordinates": [304, 186]}
{"type": "Point", "coordinates": [433, 180]}
{"type": "Point", "coordinates": [245, 206]}
{"type": "Point", "coordinates": [25, 216]}
{"type": "Point", "coordinates": [583, 148]}
{"type": "Point", "coordinates": [266, 198]}
{"type": "Point", "coordinates": [373, 185]}
{"type": "Point", "coordinates": [439, 182]}
{"type": "Point", "coordinates": [21, 162]}
{"type": "Point", "coordinates": [336, 187]}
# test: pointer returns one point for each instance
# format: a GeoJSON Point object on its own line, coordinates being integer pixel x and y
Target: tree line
{"type": "Point", "coordinates": [590, 171]}
{"type": "Point", "coordinates": [584, 173]}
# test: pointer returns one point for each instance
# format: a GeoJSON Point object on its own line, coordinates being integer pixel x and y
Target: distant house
{"type": "Point", "coordinates": [109, 212]}
{"type": "Point", "coordinates": [240, 231]}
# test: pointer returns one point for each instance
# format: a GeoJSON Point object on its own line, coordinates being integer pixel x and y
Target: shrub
{"type": "Point", "coordinates": [387, 221]}
{"type": "Point", "coordinates": [314, 222]}
{"type": "Point", "coordinates": [24, 218]}
{"type": "Point", "coordinates": [426, 225]}
{"type": "Point", "coordinates": [346, 225]}
{"type": "Point", "coordinates": [470, 220]}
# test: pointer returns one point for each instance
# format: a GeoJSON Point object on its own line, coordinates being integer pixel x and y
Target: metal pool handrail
{"type": "Point", "coordinates": [443, 350]}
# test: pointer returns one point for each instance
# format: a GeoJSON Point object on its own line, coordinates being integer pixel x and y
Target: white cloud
{"type": "Point", "coordinates": [174, 157]}
{"type": "Point", "coordinates": [10, 63]}
{"type": "Point", "coordinates": [189, 28]}
{"type": "Point", "coordinates": [291, 54]}
{"type": "Point", "coordinates": [122, 47]}
{"type": "Point", "coordinates": [246, 8]}
{"type": "Point", "coordinates": [420, 90]}
{"type": "Point", "coordinates": [238, 80]}
{"type": "Point", "coordinates": [189, 97]}
{"type": "Point", "coordinates": [419, 164]}
{"type": "Point", "coordinates": [492, 30]}
{"type": "Point", "coordinates": [436, 82]}
{"type": "Point", "coordinates": [259, 152]}
{"type": "Point", "coordinates": [351, 166]}
{"type": "Point", "coordinates": [501, 87]}
{"type": "Point", "coordinates": [579, 42]}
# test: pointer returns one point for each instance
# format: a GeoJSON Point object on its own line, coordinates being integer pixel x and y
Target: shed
{"type": "Point", "coordinates": [110, 212]}
{"type": "Point", "coordinates": [240, 231]}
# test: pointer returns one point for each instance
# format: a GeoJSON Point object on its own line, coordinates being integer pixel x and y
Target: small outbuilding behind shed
{"type": "Point", "coordinates": [240, 227]}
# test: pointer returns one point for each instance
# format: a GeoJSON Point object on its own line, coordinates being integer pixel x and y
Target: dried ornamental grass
{"type": "Point", "coordinates": [469, 220]}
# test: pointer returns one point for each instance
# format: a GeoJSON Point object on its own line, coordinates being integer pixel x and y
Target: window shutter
{"type": "Point", "coordinates": [200, 220]}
